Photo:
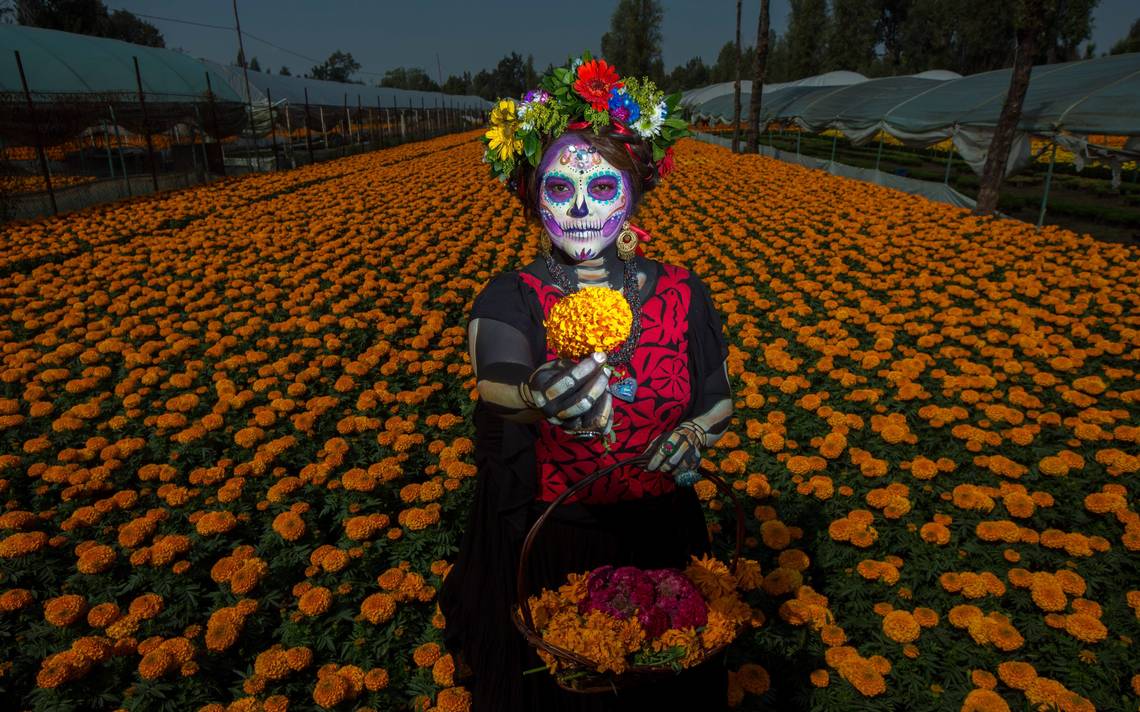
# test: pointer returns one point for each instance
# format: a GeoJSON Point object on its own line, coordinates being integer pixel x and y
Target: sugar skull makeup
{"type": "Point", "coordinates": [584, 199]}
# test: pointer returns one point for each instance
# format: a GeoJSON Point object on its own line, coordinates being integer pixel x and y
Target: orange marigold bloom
{"type": "Point", "coordinates": [289, 526]}
{"type": "Point", "coordinates": [589, 320]}
{"type": "Point", "coordinates": [901, 627]}
{"type": "Point", "coordinates": [426, 654]}
{"type": "Point", "coordinates": [315, 601]}
{"type": "Point", "coordinates": [64, 610]}
{"type": "Point", "coordinates": [378, 608]}
{"type": "Point", "coordinates": [1017, 675]}
{"type": "Point", "coordinates": [984, 700]}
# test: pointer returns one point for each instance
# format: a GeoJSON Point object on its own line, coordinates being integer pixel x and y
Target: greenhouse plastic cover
{"type": "Point", "coordinates": [60, 63]}
{"type": "Point", "coordinates": [1093, 96]}
{"type": "Point", "coordinates": [326, 93]}
{"type": "Point", "coordinates": [63, 63]}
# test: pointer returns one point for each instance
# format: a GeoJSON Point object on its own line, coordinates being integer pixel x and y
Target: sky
{"type": "Point", "coordinates": [467, 34]}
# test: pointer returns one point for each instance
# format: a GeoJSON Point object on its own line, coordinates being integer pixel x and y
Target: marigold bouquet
{"type": "Point", "coordinates": [624, 618]}
{"type": "Point", "coordinates": [591, 319]}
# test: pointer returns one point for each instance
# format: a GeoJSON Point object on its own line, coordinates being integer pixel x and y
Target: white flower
{"type": "Point", "coordinates": [649, 125]}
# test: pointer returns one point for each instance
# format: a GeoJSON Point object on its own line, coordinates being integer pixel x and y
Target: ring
{"type": "Point", "coordinates": [668, 447]}
{"type": "Point", "coordinates": [688, 478]}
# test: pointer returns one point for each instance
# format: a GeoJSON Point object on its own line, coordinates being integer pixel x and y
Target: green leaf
{"type": "Point", "coordinates": [658, 152]}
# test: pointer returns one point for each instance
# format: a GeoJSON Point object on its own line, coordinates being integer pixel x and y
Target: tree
{"type": "Point", "coordinates": [966, 36]}
{"type": "Point", "coordinates": [255, 65]}
{"type": "Point", "coordinates": [284, 71]}
{"type": "Point", "coordinates": [1131, 43]}
{"type": "Point", "coordinates": [852, 35]}
{"type": "Point", "coordinates": [412, 78]}
{"type": "Point", "coordinates": [457, 85]}
{"type": "Point", "coordinates": [689, 75]}
{"type": "Point", "coordinates": [1030, 23]}
{"type": "Point", "coordinates": [337, 68]}
{"type": "Point", "coordinates": [892, 19]}
{"type": "Point", "coordinates": [807, 37]}
{"type": "Point", "coordinates": [86, 17]}
{"type": "Point", "coordinates": [531, 76]}
{"type": "Point", "coordinates": [1067, 23]}
{"type": "Point", "coordinates": [736, 88]}
{"type": "Point", "coordinates": [725, 68]}
{"type": "Point", "coordinates": [633, 44]}
{"type": "Point", "coordinates": [759, 68]}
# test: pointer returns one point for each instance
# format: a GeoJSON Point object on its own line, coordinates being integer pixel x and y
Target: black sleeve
{"type": "Point", "coordinates": [509, 329]}
{"type": "Point", "coordinates": [708, 350]}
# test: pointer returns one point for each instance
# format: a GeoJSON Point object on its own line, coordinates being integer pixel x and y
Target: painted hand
{"type": "Point", "coordinates": [565, 391]}
{"type": "Point", "coordinates": [676, 452]}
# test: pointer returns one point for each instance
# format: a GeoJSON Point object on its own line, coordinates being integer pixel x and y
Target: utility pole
{"type": "Point", "coordinates": [245, 73]}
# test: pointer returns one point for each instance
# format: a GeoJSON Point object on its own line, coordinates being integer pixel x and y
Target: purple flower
{"type": "Point", "coordinates": [535, 95]}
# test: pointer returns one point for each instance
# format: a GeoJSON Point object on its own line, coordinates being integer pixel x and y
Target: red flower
{"type": "Point", "coordinates": [595, 80]}
{"type": "Point", "coordinates": [665, 165]}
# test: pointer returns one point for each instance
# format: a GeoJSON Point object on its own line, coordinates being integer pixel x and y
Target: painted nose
{"type": "Point", "coordinates": [578, 211]}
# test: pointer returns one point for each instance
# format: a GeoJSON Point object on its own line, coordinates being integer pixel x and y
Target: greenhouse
{"type": "Point", "coordinates": [1064, 102]}
{"type": "Point", "coordinates": [110, 119]}
{"type": "Point", "coordinates": [1088, 109]}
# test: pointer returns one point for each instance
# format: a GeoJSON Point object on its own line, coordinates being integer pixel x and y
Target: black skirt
{"type": "Point", "coordinates": [480, 591]}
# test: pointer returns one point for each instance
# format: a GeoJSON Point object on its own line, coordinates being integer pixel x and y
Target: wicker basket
{"type": "Point", "coordinates": [584, 677]}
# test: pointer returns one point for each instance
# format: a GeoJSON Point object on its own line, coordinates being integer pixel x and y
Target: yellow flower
{"type": "Point", "coordinates": [592, 319]}
{"type": "Point", "coordinates": [504, 123]}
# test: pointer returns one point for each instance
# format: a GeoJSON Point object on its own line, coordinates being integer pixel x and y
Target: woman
{"type": "Point", "coordinates": [543, 423]}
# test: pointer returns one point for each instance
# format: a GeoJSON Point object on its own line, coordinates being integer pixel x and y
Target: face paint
{"type": "Point", "coordinates": [584, 199]}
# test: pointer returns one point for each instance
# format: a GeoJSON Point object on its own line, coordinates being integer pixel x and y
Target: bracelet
{"type": "Point", "coordinates": [526, 397]}
{"type": "Point", "coordinates": [701, 433]}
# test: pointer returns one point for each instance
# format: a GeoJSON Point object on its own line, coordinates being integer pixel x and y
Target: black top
{"type": "Point", "coordinates": [479, 592]}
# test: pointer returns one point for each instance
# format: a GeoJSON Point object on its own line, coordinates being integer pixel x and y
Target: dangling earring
{"type": "Point", "coordinates": [544, 243]}
{"type": "Point", "coordinates": [626, 242]}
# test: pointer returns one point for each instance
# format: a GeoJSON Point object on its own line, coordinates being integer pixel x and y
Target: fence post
{"type": "Point", "coordinates": [347, 128]}
{"type": "Point", "coordinates": [879, 155]}
{"type": "Point", "coordinates": [205, 156]}
{"type": "Point", "coordinates": [834, 140]}
{"type": "Point", "coordinates": [214, 118]}
{"type": "Point", "coordinates": [383, 126]}
{"type": "Point", "coordinates": [371, 128]}
{"type": "Point", "coordinates": [289, 144]}
{"type": "Point", "coordinates": [39, 136]}
{"type": "Point", "coordinates": [272, 126]}
{"type": "Point", "coordinates": [1048, 181]}
{"type": "Point", "coordinates": [122, 159]}
{"type": "Point", "coordinates": [324, 129]}
{"type": "Point", "coordinates": [308, 131]}
{"type": "Point", "coordinates": [146, 125]}
{"type": "Point", "coordinates": [107, 145]}
{"type": "Point", "coordinates": [359, 122]}
{"type": "Point", "coordinates": [949, 155]}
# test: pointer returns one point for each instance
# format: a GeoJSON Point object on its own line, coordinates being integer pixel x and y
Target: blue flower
{"type": "Point", "coordinates": [623, 107]}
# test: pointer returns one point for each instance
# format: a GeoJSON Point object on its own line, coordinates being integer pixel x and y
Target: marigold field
{"type": "Point", "coordinates": [235, 452]}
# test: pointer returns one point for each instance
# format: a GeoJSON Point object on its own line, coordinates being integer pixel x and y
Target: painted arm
{"type": "Point", "coordinates": [681, 449]}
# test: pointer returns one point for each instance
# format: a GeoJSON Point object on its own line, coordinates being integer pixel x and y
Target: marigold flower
{"type": "Point", "coordinates": [590, 320]}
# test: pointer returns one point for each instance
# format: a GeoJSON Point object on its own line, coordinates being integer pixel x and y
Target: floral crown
{"type": "Point", "coordinates": [587, 93]}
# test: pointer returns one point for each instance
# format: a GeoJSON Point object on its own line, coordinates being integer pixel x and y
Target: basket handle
{"type": "Point", "coordinates": [642, 459]}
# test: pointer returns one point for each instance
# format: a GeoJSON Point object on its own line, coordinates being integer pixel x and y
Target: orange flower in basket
{"type": "Point", "coordinates": [592, 319]}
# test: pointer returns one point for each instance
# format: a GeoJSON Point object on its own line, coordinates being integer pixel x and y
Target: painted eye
{"type": "Point", "coordinates": [604, 188]}
{"type": "Point", "coordinates": [558, 190]}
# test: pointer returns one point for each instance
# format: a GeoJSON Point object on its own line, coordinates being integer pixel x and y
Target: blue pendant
{"type": "Point", "coordinates": [624, 389]}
